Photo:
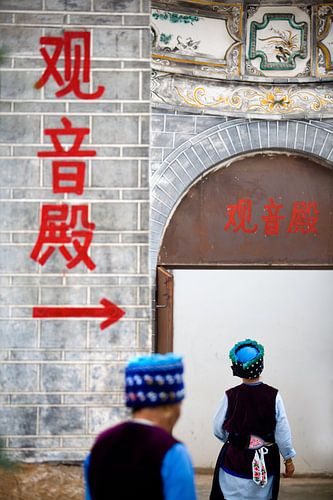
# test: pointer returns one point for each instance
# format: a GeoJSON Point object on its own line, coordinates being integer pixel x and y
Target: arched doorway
{"type": "Point", "coordinates": [230, 229]}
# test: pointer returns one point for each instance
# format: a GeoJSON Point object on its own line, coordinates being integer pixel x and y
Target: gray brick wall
{"type": "Point", "coordinates": [62, 380]}
{"type": "Point", "coordinates": [170, 129]}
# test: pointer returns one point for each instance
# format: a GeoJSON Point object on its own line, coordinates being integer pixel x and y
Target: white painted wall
{"type": "Point", "coordinates": [291, 314]}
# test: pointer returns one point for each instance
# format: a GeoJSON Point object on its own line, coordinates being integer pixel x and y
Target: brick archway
{"type": "Point", "coordinates": [220, 145]}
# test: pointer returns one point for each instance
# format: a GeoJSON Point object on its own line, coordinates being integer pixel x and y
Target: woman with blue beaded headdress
{"type": "Point", "coordinates": [139, 458]}
{"type": "Point", "coordinates": [252, 423]}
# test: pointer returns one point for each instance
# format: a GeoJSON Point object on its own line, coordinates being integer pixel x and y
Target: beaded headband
{"type": "Point", "coordinates": [247, 359]}
{"type": "Point", "coordinates": [154, 380]}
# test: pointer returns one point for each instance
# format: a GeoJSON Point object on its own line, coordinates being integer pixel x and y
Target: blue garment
{"type": "Point", "coordinates": [86, 463]}
{"type": "Point", "coordinates": [177, 475]}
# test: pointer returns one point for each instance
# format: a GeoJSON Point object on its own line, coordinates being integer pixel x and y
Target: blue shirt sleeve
{"type": "Point", "coordinates": [282, 430]}
{"type": "Point", "coordinates": [219, 419]}
{"type": "Point", "coordinates": [177, 474]}
{"type": "Point", "coordinates": [86, 463]}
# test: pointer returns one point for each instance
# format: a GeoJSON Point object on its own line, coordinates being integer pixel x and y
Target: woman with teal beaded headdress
{"type": "Point", "coordinates": [252, 423]}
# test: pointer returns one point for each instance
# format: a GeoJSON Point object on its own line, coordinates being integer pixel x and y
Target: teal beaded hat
{"type": "Point", "coordinates": [154, 380]}
{"type": "Point", "coordinates": [247, 359]}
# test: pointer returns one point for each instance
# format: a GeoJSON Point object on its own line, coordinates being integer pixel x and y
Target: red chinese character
{"type": "Point", "coordinates": [57, 230]}
{"type": "Point", "coordinates": [273, 218]}
{"type": "Point", "coordinates": [68, 176]}
{"type": "Point", "coordinates": [59, 149]}
{"type": "Point", "coordinates": [243, 212]}
{"type": "Point", "coordinates": [76, 51]}
{"type": "Point", "coordinates": [304, 217]}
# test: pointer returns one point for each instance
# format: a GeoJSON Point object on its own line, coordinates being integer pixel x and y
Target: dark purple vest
{"type": "Point", "coordinates": [125, 462]}
{"type": "Point", "coordinates": [251, 410]}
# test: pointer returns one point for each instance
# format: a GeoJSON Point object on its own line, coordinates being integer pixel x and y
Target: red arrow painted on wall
{"type": "Point", "coordinates": [109, 310]}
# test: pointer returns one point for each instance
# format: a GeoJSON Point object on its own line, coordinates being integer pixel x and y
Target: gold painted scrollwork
{"type": "Point", "coordinates": [197, 98]}
{"type": "Point", "coordinates": [272, 100]}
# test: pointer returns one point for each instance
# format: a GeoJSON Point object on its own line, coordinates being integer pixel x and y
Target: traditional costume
{"type": "Point", "coordinates": [137, 459]}
{"type": "Point", "coordinates": [252, 422]}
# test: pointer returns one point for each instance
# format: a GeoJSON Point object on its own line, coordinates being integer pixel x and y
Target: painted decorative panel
{"type": "Point", "coordinates": [178, 34]}
{"type": "Point", "coordinates": [244, 58]}
{"type": "Point", "coordinates": [239, 99]}
{"type": "Point", "coordinates": [208, 39]}
{"type": "Point", "coordinates": [278, 42]}
{"type": "Point", "coordinates": [325, 40]}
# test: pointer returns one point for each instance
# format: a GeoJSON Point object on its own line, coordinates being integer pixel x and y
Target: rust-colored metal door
{"type": "Point", "coordinates": [164, 311]}
{"type": "Point", "coordinates": [266, 210]}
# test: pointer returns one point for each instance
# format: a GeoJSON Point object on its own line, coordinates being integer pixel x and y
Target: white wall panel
{"type": "Point", "coordinates": [291, 314]}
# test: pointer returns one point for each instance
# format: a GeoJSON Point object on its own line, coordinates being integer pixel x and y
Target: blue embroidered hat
{"type": "Point", "coordinates": [154, 380]}
{"type": "Point", "coordinates": [247, 359]}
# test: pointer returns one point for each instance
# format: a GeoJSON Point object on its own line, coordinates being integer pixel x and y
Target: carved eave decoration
{"type": "Point", "coordinates": [258, 59]}
{"type": "Point", "coordinates": [272, 101]}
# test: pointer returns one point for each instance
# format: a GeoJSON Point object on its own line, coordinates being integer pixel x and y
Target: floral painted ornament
{"type": "Point", "coordinates": [256, 442]}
